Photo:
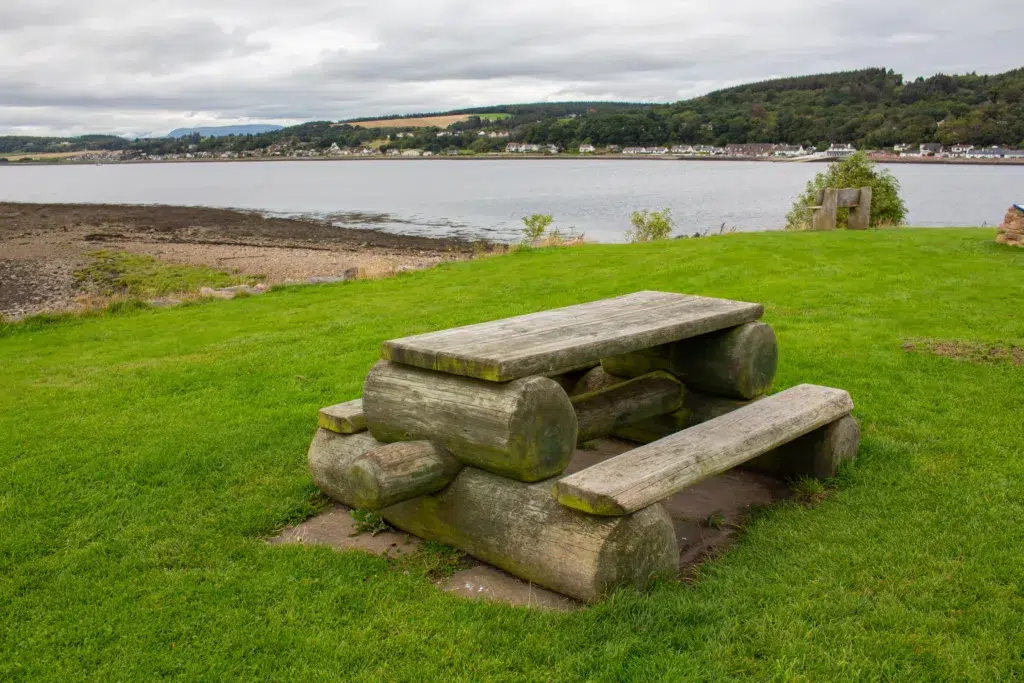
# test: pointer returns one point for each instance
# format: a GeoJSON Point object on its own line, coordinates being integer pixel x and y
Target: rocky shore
{"type": "Point", "coordinates": [43, 245]}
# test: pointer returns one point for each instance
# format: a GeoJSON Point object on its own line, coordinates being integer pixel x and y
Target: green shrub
{"type": "Point", "coordinates": [887, 208]}
{"type": "Point", "coordinates": [649, 226]}
{"type": "Point", "coordinates": [535, 225]}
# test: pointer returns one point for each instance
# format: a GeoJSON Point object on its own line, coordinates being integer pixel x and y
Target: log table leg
{"type": "Point", "coordinates": [522, 529]}
{"type": "Point", "coordinates": [524, 429]}
{"type": "Point", "coordinates": [739, 362]}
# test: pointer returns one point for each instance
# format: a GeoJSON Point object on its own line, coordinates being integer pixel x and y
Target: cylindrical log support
{"type": "Point", "coordinates": [739, 362]}
{"type": "Point", "coordinates": [524, 429]}
{"type": "Point", "coordinates": [601, 412]}
{"type": "Point", "coordinates": [399, 471]}
{"type": "Point", "coordinates": [330, 456]}
{"type": "Point", "coordinates": [522, 529]}
{"type": "Point", "coordinates": [361, 472]}
{"type": "Point", "coordinates": [817, 454]}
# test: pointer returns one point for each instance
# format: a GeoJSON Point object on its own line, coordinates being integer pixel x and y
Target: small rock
{"type": "Point", "coordinates": [161, 302]}
{"type": "Point", "coordinates": [216, 293]}
{"type": "Point", "coordinates": [351, 274]}
{"type": "Point", "coordinates": [324, 280]}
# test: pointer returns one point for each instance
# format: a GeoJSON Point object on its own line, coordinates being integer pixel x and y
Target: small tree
{"type": "Point", "coordinates": [649, 226]}
{"type": "Point", "coordinates": [535, 226]}
{"type": "Point", "coordinates": [887, 208]}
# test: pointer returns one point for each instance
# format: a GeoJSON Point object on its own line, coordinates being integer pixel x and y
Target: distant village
{"type": "Point", "coordinates": [907, 152]}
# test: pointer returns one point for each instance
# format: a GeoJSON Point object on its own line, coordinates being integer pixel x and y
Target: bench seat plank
{"type": "Point", "coordinates": [646, 475]}
{"type": "Point", "coordinates": [562, 339]}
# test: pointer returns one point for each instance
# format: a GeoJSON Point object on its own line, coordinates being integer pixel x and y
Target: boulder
{"type": "Point", "coordinates": [1011, 232]}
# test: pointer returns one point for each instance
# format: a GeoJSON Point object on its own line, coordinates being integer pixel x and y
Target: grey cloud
{"type": "Point", "coordinates": [117, 65]}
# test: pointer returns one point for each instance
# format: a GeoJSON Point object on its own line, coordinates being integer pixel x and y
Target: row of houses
{"type": "Point", "coordinates": [935, 149]}
{"type": "Point", "coordinates": [529, 148]}
{"type": "Point", "coordinates": [755, 150]}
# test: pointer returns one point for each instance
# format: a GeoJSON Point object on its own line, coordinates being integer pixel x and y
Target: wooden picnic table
{"type": "Point", "coordinates": [563, 339]}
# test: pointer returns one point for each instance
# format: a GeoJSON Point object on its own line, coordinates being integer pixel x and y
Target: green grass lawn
{"type": "Point", "coordinates": [145, 456]}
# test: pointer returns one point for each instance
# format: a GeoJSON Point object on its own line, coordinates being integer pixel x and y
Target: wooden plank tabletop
{"type": "Point", "coordinates": [646, 475]}
{"type": "Point", "coordinates": [562, 339]}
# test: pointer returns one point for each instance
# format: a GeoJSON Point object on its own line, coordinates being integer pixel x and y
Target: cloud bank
{"type": "Point", "coordinates": [147, 66]}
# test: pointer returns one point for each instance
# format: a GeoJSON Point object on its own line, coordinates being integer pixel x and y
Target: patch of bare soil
{"type": "Point", "coordinates": [41, 245]}
{"type": "Point", "coordinates": [968, 350]}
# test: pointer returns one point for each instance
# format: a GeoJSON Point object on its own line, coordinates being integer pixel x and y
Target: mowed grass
{"type": "Point", "coordinates": [144, 458]}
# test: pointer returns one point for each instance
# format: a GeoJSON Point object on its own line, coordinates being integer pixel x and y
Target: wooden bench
{"type": "Point", "coordinates": [830, 200]}
{"type": "Point", "coordinates": [642, 477]}
{"type": "Point", "coordinates": [560, 340]}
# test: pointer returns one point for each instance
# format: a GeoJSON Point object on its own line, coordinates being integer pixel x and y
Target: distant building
{"type": "Point", "coordinates": [586, 148]}
{"type": "Point", "coordinates": [995, 152]}
{"type": "Point", "coordinates": [789, 151]}
{"type": "Point", "coordinates": [930, 149]}
{"type": "Point", "coordinates": [960, 150]}
{"type": "Point", "coordinates": [521, 148]}
{"type": "Point", "coordinates": [840, 151]}
{"type": "Point", "coordinates": [682, 149]}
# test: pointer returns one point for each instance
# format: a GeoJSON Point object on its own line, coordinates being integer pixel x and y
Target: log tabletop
{"type": "Point", "coordinates": [563, 339]}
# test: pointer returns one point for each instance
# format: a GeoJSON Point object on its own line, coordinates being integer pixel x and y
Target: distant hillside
{"type": "Point", "coordinates": [221, 131]}
{"type": "Point", "coordinates": [869, 108]}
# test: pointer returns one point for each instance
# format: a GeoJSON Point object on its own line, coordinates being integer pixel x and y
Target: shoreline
{"type": "Point", "coordinates": [42, 246]}
{"type": "Point", "coordinates": [526, 157]}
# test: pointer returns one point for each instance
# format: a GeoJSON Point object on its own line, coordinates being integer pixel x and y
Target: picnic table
{"type": "Point", "coordinates": [463, 435]}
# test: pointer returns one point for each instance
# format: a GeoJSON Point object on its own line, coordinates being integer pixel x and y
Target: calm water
{"type": "Point", "coordinates": [487, 198]}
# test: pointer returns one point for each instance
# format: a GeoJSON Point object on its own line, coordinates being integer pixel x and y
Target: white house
{"type": "Point", "coordinates": [682, 149]}
{"type": "Point", "coordinates": [789, 151]}
{"type": "Point", "coordinates": [587, 148]}
{"type": "Point", "coordinates": [960, 150]}
{"type": "Point", "coordinates": [840, 151]}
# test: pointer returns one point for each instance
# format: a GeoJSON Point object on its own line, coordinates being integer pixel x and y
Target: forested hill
{"type": "Point", "coordinates": [870, 108]}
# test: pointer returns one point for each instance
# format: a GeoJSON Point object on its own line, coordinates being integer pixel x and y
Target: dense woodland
{"type": "Point", "coordinates": [871, 108]}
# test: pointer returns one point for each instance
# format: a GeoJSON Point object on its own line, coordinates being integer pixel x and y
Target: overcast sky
{"type": "Point", "coordinates": [147, 66]}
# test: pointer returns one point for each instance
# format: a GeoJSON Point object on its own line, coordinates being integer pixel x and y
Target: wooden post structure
{"type": "Point", "coordinates": [860, 215]}
{"type": "Point", "coordinates": [823, 217]}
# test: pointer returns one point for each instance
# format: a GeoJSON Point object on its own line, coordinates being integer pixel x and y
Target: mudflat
{"type": "Point", "coordinates": [43, 245]}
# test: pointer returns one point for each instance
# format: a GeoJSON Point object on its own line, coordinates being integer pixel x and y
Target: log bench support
{"type": "Point", "coordinates": [651, 473]}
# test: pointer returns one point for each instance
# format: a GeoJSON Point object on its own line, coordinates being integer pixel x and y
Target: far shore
{"type": "Point", "coordinates": [882, 159]}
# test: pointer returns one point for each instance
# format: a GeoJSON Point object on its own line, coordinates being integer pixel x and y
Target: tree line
{"type": "Point", "coordinates": [869, 108]}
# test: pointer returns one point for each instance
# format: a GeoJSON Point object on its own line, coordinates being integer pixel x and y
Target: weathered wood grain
{"type": "Point", "coordinates": [601, 412]}
{"type": "Point", "coordinates": [520, 528]}
{"type": "Point", "coordinates": [330, 456]}
{"type": "Point", "coordinates": [343, 418]}
{"type": "Point", "coordinates": [641, 477]}
{"type": "Point", "coordinates": [739, 362]}
{"type": "Point", "coordinates": [860, 217]}
{"type": "Point", "coordinates": [556, 341]}
{"type": "Point", "coordinates": [400, 471]}
{"type": "Point", "coordinates": [524, 429]}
